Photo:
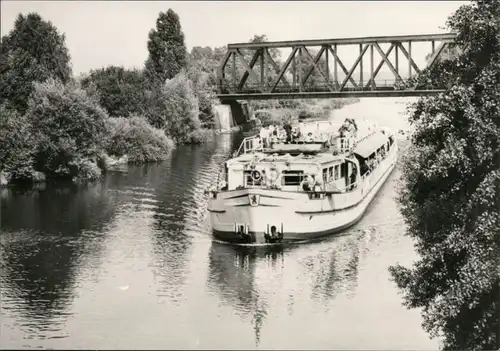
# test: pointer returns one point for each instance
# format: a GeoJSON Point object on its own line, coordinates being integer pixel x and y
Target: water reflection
{"type": "Point", "coordinates": [129, 263]}
{"type": "Point", "coordinates": [334, 271]}
{"type": "Point", "coordinates": [253, 278]}
{"type": "Point", "coordinates": [180, 217]}
{"type": "Point", "coordinates": [46, 237]}
{"type": "Point", "coordinates": [232, 274]}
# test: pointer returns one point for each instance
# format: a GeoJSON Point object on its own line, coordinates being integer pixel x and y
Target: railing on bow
{"type": "Point", "coordinates": [249, 145]}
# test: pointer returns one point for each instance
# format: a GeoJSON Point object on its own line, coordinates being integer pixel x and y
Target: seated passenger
{"type": "Point", "coordinates": [309, 138]}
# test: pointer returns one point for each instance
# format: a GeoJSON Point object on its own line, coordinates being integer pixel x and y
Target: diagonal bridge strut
{"type": "Point", "coordinates": [314, 68]}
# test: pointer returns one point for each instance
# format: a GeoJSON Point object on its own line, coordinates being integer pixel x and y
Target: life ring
{"type": "Point", "coordinates": [256, 175]}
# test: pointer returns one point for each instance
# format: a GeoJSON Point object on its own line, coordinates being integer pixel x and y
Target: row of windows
{"type": "Point", "coordinates": [294, 177]}
{"type": "Point", "coordinates": [288, 178]}
{"type": "Point", "coordinates": [331, 173]}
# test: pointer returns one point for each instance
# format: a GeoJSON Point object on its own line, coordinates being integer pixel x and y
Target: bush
{"type": "Point", "coordinates": [199, 136]}
{"type": "Point", "coordinates": [137, 139]}
{"type": "Point", "coordinates": [174, 108]}
{"type": "Point", "coordinates": [68, 130]}
{"type": "Point", "coordinates": [16, 145]}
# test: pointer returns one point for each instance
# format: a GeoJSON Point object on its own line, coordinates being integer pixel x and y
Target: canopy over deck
{"type": "Point", "coordinates": [367, 146]}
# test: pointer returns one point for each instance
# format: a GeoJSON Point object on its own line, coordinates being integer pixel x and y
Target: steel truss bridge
{"type": "Point", "coordinates": [293, 78]}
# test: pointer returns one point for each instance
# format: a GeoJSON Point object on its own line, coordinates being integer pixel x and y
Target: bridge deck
{"type": "Point", "coordinates": [325, 95]}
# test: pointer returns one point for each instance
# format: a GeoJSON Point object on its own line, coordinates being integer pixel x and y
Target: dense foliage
{"type": "Point", "coordinates": [68, 128]}
{"type": "Point", "coordinates": [450, 195]}
{"type": "Point", "coordinates": [167, 51]}
{"type": "Point", "coordinates": [33, 51]}
{"type": "Point", "coordinates": [135, 138]}
{"type": "Point", "coordinates": [202, 66]}
{"type": "Point", "coordinates": [121, 92]}
{"type": "Point", "coordinates": [176, 109]}
{"type": "Point", "coordinates": [16, 144]}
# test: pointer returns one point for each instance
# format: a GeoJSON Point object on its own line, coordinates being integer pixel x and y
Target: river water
{"type": "Point", "coordinates": [129, 263]}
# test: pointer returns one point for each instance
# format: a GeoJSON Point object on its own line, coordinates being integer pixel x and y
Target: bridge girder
{"type": "Point", "coordinates": [301, 65]}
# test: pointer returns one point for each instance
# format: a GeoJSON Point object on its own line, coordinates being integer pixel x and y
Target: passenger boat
{"type": "Point", "coordinates": [303, 189]}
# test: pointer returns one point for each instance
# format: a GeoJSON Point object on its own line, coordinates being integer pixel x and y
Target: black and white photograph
{"type": "Point", "coordinates": [250, 175]}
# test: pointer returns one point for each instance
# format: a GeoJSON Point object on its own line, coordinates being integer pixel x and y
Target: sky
{"type": "Point", "coordinates": [102, 33]}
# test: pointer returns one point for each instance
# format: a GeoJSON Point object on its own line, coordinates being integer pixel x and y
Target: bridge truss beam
{"type": "Point", "coordinates": [273, 81]}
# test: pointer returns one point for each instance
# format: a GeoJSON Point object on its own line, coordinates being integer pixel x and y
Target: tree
{"type": "Point", "coordinates": [120, 92]}
{"type": "Point", "coordinates": [16, 144]}
{"type": "Point", "coordinates": [248, 54]}
{"type": "Point", "coordinates": [68, 128]}
{"type": "Point", "coordinates": [167, 51]}
{"type": "Point", "coordinates": [175, 108]}
{"type": "Point", "coordinates": [315, 78]}
{"type": "Point", "coordinates": [33, 51]}
{"type": "Point", "coordinates": [450, 189]}
{"type": "Point", "coordinates": [202, 72]}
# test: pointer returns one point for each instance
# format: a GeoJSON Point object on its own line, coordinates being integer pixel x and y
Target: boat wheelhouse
{"type": "Point", "coordinates": [301, 189]}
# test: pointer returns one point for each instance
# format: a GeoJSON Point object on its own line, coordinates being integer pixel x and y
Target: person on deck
{"type": "Point", "coordinates": [352, 179]}
{"type": "Point", "coordinates": [309, 138]}
{"type": "Point", "coordinates": [301, 128]}
{"type": "Point", "coordinates": [264, 135]}
{"type": "Point", "coordinates": [274, 137]}
{"type": "Point", "coordinates": [288, 132]}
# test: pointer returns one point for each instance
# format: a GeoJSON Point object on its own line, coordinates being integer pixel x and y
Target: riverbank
{"type": "Point", "coordinates": [114, 142]}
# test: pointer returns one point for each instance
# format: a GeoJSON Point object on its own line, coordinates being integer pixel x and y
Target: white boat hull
{"type": "Point", "coordinates": [293, 213]}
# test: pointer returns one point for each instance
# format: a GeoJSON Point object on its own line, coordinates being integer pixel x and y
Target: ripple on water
{"type": "Point", "coordinates": [132, 264]}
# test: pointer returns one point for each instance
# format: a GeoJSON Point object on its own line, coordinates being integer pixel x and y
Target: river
{"type": "Point", "coordinates": [129, 263]}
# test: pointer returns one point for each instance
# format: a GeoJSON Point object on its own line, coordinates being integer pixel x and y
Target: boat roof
{"type": "Point", "coordinates": [303, 158]}
{"type": "Point", "coordinates": [366, 147]}
{"type": "Point", "coordinates": [296, 149]}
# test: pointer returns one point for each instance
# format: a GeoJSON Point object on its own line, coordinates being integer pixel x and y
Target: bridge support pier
{"type": "Point", "coordinates": [240, 111]}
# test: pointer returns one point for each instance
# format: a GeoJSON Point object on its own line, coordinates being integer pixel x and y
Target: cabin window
{"type": "Point", "coordinates": [325, 173]}
{"type": "Point", "coordinates": [337, 172]}
{"type": "Point", "coordinates": [292, 177]}
{"type": "Point", "coordinates": [330, 173]}
{"type": "Point", "coordinates": [254, 180]}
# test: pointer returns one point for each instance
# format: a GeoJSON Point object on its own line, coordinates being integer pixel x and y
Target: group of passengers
{"type": "Point", "coordinates": [286, 134]}
{"type": "Point", "coordinates": [372, 162]}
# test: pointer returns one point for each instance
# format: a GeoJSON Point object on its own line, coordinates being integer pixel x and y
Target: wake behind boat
{"type": "Point", "coordinates": [300, 184]}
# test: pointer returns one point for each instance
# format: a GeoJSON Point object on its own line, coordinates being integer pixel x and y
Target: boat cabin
{"type": "Point", "coordinates": [328, 162]}
{"type": "Point", "coordinates": [311, 166]}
